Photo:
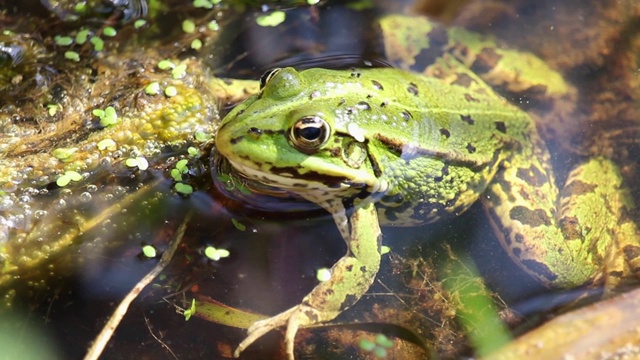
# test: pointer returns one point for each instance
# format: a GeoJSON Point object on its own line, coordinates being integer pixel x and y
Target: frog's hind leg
{"type": "Point", "coordinates": [596, 189]}
{"type": "Point", "coordinates": [581, 236]}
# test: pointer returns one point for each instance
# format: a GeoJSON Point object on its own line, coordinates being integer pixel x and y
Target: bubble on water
{"type": "Point", "coordinates": [18, 221]}
{"type": "Point", "coordinates": [134, 153]}
{"type": "Point", "coordinates": [106, 161]}
{"type": "Point", "coordinates": [6, 203]}
{"type": "Point", "coordinates": [4, 230]}
{"type": "Point", "coordinates": [26, 209]}
{"type": "Point", "coordinates": [60, 204]}
{"type": "Point", "coordinates": [65, 193]}
{"type": "Point", "coordinates": [88, 162]}
{"type": "Point", "coordinates": [18, 177]}
{"type": "Point", "coordinates": [85, 197]}
{"type": "Point", "coordinates": [9, 187]}
{"type": "Point", "coordinates": [92, 188]}
{"type": "Point", "coordinates": [31, 191]}
{"type": "Point", "coordinates": [25, 199]}
{"type": "Point", "coordinates": [39, 214]}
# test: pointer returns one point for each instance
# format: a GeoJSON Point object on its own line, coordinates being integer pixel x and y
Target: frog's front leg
{"type": "Point", "coordinates": [350, 278]}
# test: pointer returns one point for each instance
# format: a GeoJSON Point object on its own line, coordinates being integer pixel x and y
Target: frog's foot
{"type": "Point", "coordinates": [300, 315]}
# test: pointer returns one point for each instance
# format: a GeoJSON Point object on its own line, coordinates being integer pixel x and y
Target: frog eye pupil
{"type": "Point", "coordinates": [264, 79]}
{"type": "Point", "coordinates": [309, 133]}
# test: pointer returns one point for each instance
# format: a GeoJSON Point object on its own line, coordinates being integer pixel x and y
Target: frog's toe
{"type": "Point", "coordinates": [258, 329]}
{"type": "Point", "coordinates": [293, 318]}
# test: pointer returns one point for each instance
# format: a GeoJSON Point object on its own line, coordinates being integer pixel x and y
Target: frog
{"type": "Point", "coordinates": [397, 147]}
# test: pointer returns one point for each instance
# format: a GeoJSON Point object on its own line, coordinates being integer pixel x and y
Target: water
{"type": "Point", "coordinates": [69, 285]}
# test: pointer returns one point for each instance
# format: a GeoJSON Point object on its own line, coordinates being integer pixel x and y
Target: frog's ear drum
{"type": "Point", "coordinates": [309, 133]}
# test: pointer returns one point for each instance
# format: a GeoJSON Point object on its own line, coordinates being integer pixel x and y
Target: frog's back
{"type": "Point", "coordinates": [432, 113]}
{"type": "Point", "coordinates": [437, 144]}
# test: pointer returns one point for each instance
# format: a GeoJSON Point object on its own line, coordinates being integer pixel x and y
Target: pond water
{"type": "Point", "coordinates": [100, 158]}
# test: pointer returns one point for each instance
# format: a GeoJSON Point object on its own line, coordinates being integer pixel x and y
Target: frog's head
{"type": "Point", "coordinates": [288, 137]}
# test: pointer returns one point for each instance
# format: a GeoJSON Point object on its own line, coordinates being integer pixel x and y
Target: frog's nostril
{"type": "Point", "coordinates": [254, 131]}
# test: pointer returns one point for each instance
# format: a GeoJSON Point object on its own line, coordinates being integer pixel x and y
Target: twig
{"type": "Point", "coordinates": [107, 331]}
{"type": "Point", "coordinates": [146, 321]}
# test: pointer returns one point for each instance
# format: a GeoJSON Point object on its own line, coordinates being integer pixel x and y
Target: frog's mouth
{"type": "Point", "coordinates": [286, 180]}
{"type": "Point", "coordinates": [323, 190]}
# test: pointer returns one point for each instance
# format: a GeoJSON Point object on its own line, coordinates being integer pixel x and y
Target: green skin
{"type": "Point", "coordinates": [423, 148]}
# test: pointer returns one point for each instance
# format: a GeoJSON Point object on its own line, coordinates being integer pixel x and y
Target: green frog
{"type": "Point", "coordinates": [393, 147]}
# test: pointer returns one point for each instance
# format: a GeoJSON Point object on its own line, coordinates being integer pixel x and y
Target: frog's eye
{"type": "Point", "coordinates": [309, 133]}
{"type": "Point", "coordinates": [264, 79]}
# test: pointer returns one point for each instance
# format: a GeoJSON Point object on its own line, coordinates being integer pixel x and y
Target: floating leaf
{"type": "Point", "coordinates": [274, 19]}
{"type": "Point", "coordinates": [63, 40]}
{"type": "Point", "coordinates": [63, 153]}
{"type": "Point", "coordinates": [72, 55]}
{"type": "Point", "coordinates": [213, 25]}
{"type": "Point", "coordinates": [166, 64]}
{"type": "Point", "coordinates": [188, 313]}
{"type": "Point", "coordinates": [181, 165]}
{"type": "Point", "coordinates": [149, 251]}
{"type": "Point", "coordinates": [184, 189]}
{"type": "Point", "coordinates": [216, 254]}
{"type": "Point", "coordinates": [240, 226]}
{"type": "Point", "coordinates": [109, 31]}
{"type": "Point", "coordinates": [139, 23]}
{"type": "Point", "coordinates": [98, 43]}
{"type": "Point", "coordinates": [152, 89]}
{"type": "Point", "coordinates": [205, 4]}
{"type": "Point", "coordinates": [179, 71]}
{"type": "Point", "coordinates": [107, 144]}
{"type": "Point", "coordinates": [81, 36]}
{"type": "Point", "coordinates": [170, 91]}
{"type": "Point", "coordinates": [196, 44]}
{"type": "Point", "coordinates": [176, 175]}
{"type": "Point", "coordinates": [188, 26]}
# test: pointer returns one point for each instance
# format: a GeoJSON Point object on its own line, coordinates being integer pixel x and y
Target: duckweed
{"type": "Point", "coordinates": [68, 177]}
{"type": "Point", "coordinates": [166, 64]}
{"type": "Point", "coordinates": [216, 254]}
{"type": "Point", "coordinates": [170, 91]}
{"type": "Point", "coordinates": [63, 40]}
{"type": "Point", "coordinates": [238, 225]}
{"type": "Point", "coordinates": [72, 55]}
{"type": "Point", "coordinates": [274, 19]}
{"type": "Point", "coordinates": [188, 26]}
{"type": "Point", "coordinates": [153, 88]}
{"type": "Point", "coordinates": [109, 31]}
{"type": "Point", "coordinates": [149, 251]}
{"type": "Point", "coordinates": [196, 44]}
{"type": "Point", "coordinates": [184, 189]}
